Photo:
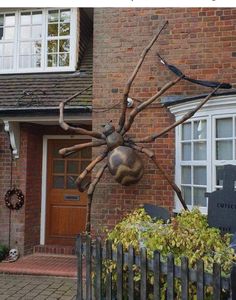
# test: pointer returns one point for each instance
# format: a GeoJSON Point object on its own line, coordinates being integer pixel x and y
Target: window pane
{"type": "Point", "coordinates": [199, 151]}
{"type": "Point", "coordinates": [65, 15]}
{"type": "Point", "coordinates": [186, 151]}
{"type": "Point", "coordinates": [25, 48]}
{"type": "Point", "coordinates": [199, 175]}
{"type": "Point", "coordinates": [25, 18]}
{"type": "Point", "coordinates": [64, 60]}
{"type": "Point", "coordinates": [36, 32]}
{"type": "Point", "coordinates": [1, 33]}
{"type": "Point", "coordinates": [186, 131]}
{"type": "Point", "coordinates": [25, 61]}
{"type": "Point", "coordinates": [199, 198]}
{"type": "Point", "coordinates": [36, 47]}
{"type": "Point", "coordinates": [36, 61]}
{"type": "Point", "coordinates": [72, 166]}
{"type": "Point", "coordinates": [52, 60]}
{"type": "Point", "coordinates": [186, 175]}
{"type": "Point", "coordinates": [224, 150]}
{"type": "Point", "coordinates": [58, 166]}
{"type": "Point", "coordinates": [86, 153]}
{"type": "Point", "coordinates": [70, 182]}
{"type": "Point", "coordinates": [219, 181]}
{"type": "Point", "coordinates": [8, 62]}
{"type": "Point", "coordinates": [186, 190]}
{"type": "Point", "coordinates": [9, 33]}
{"type": "Point", "coordinates": [52, 46]}
{"type": "Point", "coordinates": [224, 128]}
{"type": "Point", "coordinates": [1, 20]}
{"type": "Point", "coordinates": [25, 32]}
{"type": "Point", "coordinates": [10, 20]}
{"type": "Point", "coordinates": [199, 130]}
{"type": "Point", "coordinates": [64, 29]}
{"type": "Point", "coordinates": [37, 17]}
{"type": "Point", "coordinates": [52, 15]}
{"type": "Point", "coordinates": [8, 49]}
{"type": "Point", "coordinates": [58, 182]}
{"type": "Point", "coordinates": [64, 46]}
{"type": "Point", "coordinates": [52, 29]}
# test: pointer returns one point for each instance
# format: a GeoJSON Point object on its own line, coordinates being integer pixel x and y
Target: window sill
{"type": "Point", "coordinates": [35, 71]}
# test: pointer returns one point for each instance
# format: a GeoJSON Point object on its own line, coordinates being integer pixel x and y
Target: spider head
{"type": "Point", "coordinates": [108, 128]}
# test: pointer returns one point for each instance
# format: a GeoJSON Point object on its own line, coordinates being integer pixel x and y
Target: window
{"type": "Point", "coordinates": [37, 41]}
{"type": "Point", "coordinates": [204, 144]}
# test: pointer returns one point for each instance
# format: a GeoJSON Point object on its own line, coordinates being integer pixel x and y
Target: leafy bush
{"type": "Point", "coordinates": [3, 252]}
{"type": "Point", "coordinates": [187, 234]}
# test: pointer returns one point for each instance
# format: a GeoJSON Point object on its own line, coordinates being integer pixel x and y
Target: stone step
{"type": "Point", "coordinates": [55, 249]}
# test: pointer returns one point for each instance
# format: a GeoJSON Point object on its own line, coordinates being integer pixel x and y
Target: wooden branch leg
{"type": "Point", "coordinates": [187, 116]}
{"type": "Point", "coordinates": [151, 155]}
{"type": "Point", "coordinates": [88, 169]}
{"type": "Point", "coordinates": [77, 130]}
{"type": "Point", "coordinates": [132, 77]}
{"type": "Point", "coordinates": [90, 196]}
{"type": "Point", "coordinates": [70, 150]}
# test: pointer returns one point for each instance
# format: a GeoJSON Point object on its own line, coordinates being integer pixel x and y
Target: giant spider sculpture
{"type": "Point", "coordinates": [123, 161]}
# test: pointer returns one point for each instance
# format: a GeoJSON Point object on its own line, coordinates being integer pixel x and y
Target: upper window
{"type": "Point", "coordinates": [204, 144]}
{"type": "Point", "coordinates": [37, 40]}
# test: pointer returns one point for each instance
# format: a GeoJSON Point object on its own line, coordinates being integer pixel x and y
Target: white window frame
{"type": "Point", "coordinates": [43, 68]}
{"type": "Point", "coordinates": [218, 107]}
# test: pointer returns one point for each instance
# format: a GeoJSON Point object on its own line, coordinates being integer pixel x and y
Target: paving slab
{"type": "Point", "coordinates": [33, 287]}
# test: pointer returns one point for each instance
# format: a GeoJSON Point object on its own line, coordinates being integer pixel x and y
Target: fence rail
{"type": "Point", "coordinates": [92, 255]}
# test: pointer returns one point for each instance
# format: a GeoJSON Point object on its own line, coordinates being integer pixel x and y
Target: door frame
{"type": "Point", "coordinates": [44, 176]}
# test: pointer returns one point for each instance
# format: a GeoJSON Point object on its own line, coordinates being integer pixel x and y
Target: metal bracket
{"type": "Point", "coordinates": [13, 130]}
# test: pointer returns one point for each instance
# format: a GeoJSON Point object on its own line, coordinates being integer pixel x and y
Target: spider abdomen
{"type": "Point", "coordinates": [125, 165]}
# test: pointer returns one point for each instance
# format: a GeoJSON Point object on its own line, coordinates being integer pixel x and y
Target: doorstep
{"type": "Point", "coordinates": [54, 249]}
{"type": "Point", "coordinates": [42, 264]}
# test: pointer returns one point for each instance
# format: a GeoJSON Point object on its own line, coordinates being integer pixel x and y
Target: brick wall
{"type": "Point", "coordinates": [201, 41]}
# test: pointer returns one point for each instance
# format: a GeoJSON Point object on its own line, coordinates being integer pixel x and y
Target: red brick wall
{"type": "Point", "coordinates": [201, 41]}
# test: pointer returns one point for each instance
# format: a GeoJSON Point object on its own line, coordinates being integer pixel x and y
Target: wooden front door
{"type": "Point", "coordinates": [66, 206]}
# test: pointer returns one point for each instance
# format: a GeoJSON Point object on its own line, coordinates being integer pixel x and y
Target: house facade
{"type": "Point", "coordinates": [50, 54]}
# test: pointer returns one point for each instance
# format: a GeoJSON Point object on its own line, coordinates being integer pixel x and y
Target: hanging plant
{"type": "Point", "coordinates": [20, 199]}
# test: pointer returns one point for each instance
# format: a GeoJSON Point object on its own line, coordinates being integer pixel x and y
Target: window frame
{"type": "Point", "coordinates": [217, 108]}
{"type": "Point", "coordinates": [44, 68]}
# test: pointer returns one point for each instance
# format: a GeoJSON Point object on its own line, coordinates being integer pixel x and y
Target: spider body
{"type": "Point", "coordinates": [125, 165]}
{"type": "Point", "coordinates": [123, 161]}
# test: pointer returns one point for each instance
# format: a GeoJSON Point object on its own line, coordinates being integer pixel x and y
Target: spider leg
{"type": "Point", "coordinates": [77, 130]}
{"type": "Point", "coordinates": [144, 104]}
{"type": "Point", "coordinates": [131, 79]}
{"type": "Point", "coordinates": [151, 155]}
{"type": "Point", "coordinates": [70, 150]}
{"type": "Point", "coordinates": [91, 190]}
{"type": "Point", "coordinates": [187, 116]}
{"type": "Point", "coordinates": [87, 170]}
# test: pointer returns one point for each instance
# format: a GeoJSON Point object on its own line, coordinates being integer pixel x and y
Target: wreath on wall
{"type": "Point", "coordinates": [20, 199]}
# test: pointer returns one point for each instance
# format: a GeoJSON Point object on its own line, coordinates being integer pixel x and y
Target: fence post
{"type": "Point", "coordinates": [109, 274]}
{"type": "Point", "coordinates": [216, 281]}
{"type": "Point", "coordinates": [143, 267]}
{"type": "Point", "coordinates": [88, 268]}
{"type": "Point", "coordinates": [157, 275]}
{"type": "Point", "coordinates": [184, 278]}
{"type": "Point", "coordinates": [233, 282]}
{"type": "Point", "coordinates": [170, 277]}
{"type": "Point", "coordinates": [119, 272]}
{"type": "Point", "coordinates": [98, 270]}
{"type": "Point", "coordinates": [78, 250]}
{"type": "Point", "coordinates": [200, 280]}
{"type": "Point", "coordinates": [131, 273]}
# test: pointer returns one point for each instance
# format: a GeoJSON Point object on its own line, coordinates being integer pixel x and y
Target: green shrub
{"type": "Point", "coordinates": [3, 252]}
{"type": "Point", "coordinates": [187, 234]}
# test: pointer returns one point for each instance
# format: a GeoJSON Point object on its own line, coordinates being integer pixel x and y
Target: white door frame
{"type": "Point", "coordinates": [44, 177]}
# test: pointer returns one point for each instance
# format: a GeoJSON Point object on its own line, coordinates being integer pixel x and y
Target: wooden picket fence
{"type": "Point", "coordinates": [92, 254]}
